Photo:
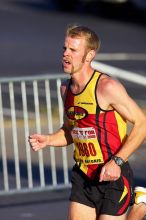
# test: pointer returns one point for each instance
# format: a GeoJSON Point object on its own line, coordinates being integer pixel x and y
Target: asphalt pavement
{"type": "Point", "coordinates": [43, 205]}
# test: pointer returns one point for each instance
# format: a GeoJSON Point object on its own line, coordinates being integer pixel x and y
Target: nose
{"type": "Point", "coordinates": [66, 52]}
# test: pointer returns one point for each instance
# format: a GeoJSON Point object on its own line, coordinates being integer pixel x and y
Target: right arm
{"type": "Point", "coordinates": [60, 138]}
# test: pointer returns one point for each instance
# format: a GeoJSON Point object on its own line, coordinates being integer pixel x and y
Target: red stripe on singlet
{"type": "Point", "coordinates": [110, 138]}
{"type": "Point", "coordinates": [92, 170]}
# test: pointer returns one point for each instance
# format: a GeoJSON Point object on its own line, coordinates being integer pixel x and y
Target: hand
{"type": "Point", "coordinates": [38, 141]}
{"type": "Point", "coordinates": [110, 172]}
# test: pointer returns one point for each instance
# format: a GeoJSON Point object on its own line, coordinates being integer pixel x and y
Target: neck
{"type": "Point", "coordinates": [80, 79]}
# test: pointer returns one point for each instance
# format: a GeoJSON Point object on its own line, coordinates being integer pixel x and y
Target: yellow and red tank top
{"type": "Point", "coordinates": [97, 134]}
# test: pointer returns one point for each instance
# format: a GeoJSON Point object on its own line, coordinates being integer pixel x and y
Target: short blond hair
{"type": "Point", "coordinates": [93, 42]}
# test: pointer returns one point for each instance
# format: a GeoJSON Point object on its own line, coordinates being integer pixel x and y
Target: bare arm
{"type": "Point", "coordinates": [127, 107]}
{"type": "Point", "coordinates": [116, 97]}
{"type": "Point", "coordinates": [60, 138]}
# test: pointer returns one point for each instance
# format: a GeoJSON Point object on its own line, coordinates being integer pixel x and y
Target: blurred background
{"type": "Point", "coordinates": [32, 32]}
{"type": "Point", "coordinates": [31, 42]}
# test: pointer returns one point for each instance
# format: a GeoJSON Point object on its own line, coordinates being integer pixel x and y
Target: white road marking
{"type": "Point", "coordinates": [26, 215]}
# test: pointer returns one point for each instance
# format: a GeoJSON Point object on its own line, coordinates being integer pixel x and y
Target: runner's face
{"type": "Point", "coordinates": [74, 55]}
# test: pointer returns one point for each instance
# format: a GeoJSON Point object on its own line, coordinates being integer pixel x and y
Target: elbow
{"type": "Point", "coordinates": [140, 126]}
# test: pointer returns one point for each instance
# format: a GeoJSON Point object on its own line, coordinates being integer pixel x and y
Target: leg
{"type": "Point", "coordinates": [111, 217]}
{"type": "Point", "coordinates": [82, 199]}
{"type": "Point", "coordinates": [138, 211]}
{"type": "Point", "coordinates": [78, 211]}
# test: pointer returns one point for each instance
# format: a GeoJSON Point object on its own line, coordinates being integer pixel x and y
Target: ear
{"type": "Point", "coordinates": [90, 55]}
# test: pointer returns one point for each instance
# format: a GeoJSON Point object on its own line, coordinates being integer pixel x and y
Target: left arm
{"type": "Point", "coordinates": [133, 114]}
{"type": "Point", "coordinates": [127, 107]}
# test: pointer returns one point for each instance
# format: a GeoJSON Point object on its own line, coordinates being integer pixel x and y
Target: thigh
{"type": "Point", "coordinates": [111, 217]}
{"type": "Point", "coordinates": [137, 212]}
{"type": "Point", "coordinates": [84, 191]}
{"type": "Point", "coordinates": [78, 211]}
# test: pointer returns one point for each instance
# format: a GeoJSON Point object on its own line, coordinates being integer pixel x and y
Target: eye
{"type": "Point", "coordinates": [64, 48]}
{"type": "Point", "coordinates": [73, 50]}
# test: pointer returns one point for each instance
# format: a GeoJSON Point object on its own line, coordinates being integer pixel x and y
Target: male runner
{"type": "Point", "coordinates": [96, 110]}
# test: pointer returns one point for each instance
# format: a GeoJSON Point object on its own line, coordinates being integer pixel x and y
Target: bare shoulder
{"type": "Point", "coordinates": [110, 92]}
{"type": "Point", "coordinates": [109, 85]}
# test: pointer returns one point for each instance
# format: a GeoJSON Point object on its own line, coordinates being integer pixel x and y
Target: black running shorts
{"type": "Point", "coordinates": [107, 197]}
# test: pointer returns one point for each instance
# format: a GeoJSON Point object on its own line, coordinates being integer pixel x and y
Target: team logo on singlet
{"type": "Point", "coordinates": [76, 113]}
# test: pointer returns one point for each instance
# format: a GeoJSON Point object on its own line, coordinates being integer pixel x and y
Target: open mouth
{"type": "Point", "coordinates": [66, 63]}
